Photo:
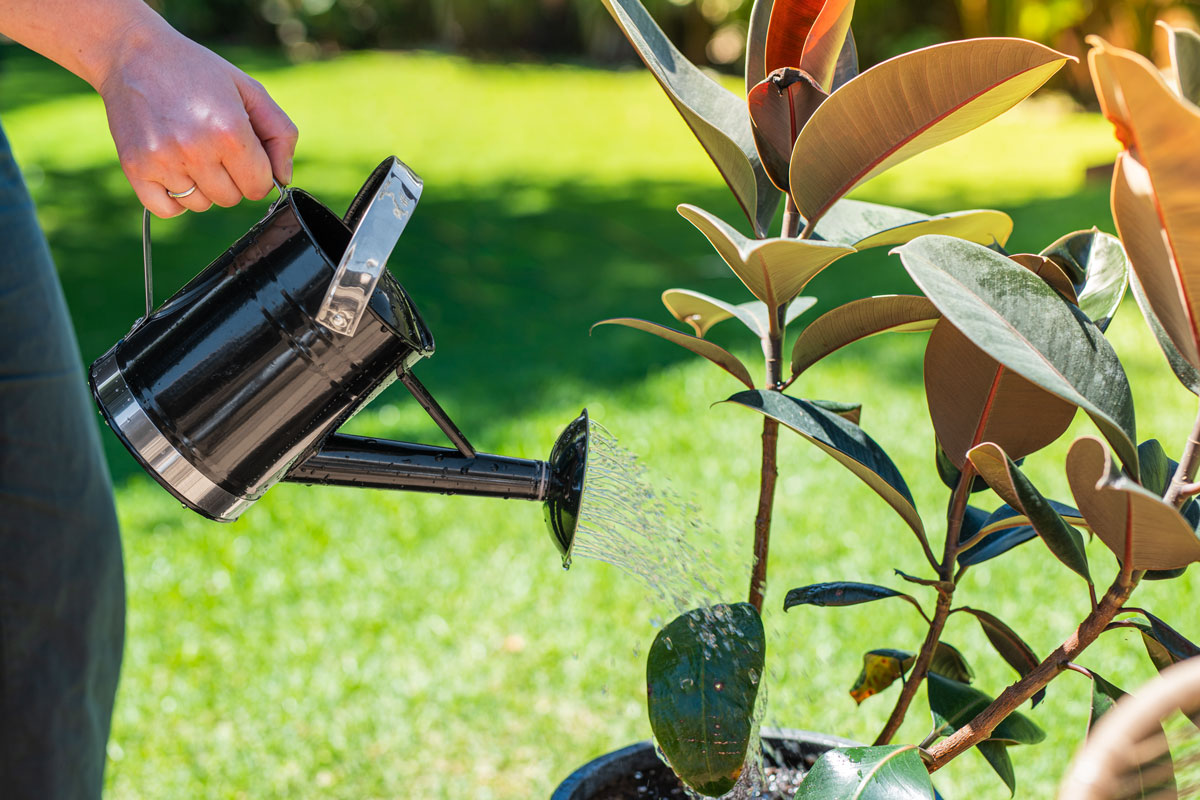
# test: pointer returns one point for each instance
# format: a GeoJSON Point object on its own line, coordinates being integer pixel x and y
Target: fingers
{"type": "Point", "coordinates": [274, 129]}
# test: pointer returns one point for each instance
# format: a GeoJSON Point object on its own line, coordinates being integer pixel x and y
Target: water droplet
{"type": "Point", "coordinates": [718, 686]}
{"type": "Point", "coordinates": [753, 675]}
{"type": "Point", "coordinates": [667, 643]}
{"type": "Point", "coordinates": [686, 683]}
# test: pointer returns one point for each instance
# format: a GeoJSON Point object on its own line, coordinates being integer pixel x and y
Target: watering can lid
{"type": "Point", "coordinates": [377, 216]}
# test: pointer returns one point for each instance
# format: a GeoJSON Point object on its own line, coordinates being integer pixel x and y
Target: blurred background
{"type": "Point", "coordinates": [708, 32]}
{"type": "Point", "coordinates": [352, 644]}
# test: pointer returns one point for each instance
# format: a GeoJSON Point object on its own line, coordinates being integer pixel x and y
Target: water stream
{"type": "Point", "coordinates": [635, 521]}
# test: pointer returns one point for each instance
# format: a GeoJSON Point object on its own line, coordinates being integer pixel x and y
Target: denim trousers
{"type": "Point", "coordinates": [62, 592]}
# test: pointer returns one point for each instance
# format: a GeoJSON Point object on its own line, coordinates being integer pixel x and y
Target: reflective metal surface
{"type": "Point", "coordinates": [152, 449]}
{"type": "Point", "coordinates": [568, 474]}
{"type": "Point", "coordinates": [383, 209]}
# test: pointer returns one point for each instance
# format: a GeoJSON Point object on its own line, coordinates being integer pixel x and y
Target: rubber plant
{"type": "Point", "coordinates": [1016, 347]}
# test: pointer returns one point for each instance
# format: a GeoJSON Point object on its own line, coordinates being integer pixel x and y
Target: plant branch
{"type": "Point", "coordinates": [1096, 622]}
{"type": "Point", "coordinates": [1011, 698]}
{"type": "Point", "coordinates": [769, 472]}
{"type": "Point", "coordinates": [954, 521]}
{"type": "Point", "coordinates": [1185, 474]}
{"type": "Point", "coordinates": [792, 220]}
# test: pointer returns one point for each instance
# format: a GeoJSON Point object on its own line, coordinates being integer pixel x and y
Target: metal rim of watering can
{"type": "Point", "coordinates": [153, 449]}
{"type": "Point", "coordinates": [568, 464]}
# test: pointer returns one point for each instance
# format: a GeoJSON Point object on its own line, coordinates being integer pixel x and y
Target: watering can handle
{"type": "Point", "coordinates": [147, 261]}
{"type": "Point", "coordinates": [377, 217]}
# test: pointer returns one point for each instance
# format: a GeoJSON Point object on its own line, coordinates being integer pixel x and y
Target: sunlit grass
{"type": "Point", "coordinates": [351, 644]}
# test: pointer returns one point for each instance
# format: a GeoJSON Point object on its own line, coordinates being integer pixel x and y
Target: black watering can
{"type": "Point", "coordinates": [242, 378]}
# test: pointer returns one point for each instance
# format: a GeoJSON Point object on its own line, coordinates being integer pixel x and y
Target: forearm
{"type": "Point", "coordinates": [86, 37]}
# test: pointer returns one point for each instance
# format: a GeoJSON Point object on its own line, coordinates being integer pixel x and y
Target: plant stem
{"type": "Point", "coordinates": [773, 350]}
{"type": "Point", "coordinates": [954, 520]}
{"type": "Point", "coordinates": [773, 354]}
{"type": "Point", "coordinates": [1011, 698]}
{"type": "Point", "coordinates": [1092, 626]}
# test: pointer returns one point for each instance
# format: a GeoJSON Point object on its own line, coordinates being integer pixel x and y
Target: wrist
{"type": "Point", "coordinates": [114, 44]}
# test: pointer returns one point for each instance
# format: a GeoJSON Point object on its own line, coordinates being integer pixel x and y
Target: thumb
{"type": "Point", "coordinates": [271, 125]}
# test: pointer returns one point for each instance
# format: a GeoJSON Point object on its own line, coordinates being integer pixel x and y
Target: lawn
{"type": "Point", "coordinates": [351, 644]}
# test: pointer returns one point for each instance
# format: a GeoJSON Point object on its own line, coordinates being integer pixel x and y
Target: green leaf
{"type": "Point", "coordinates": [1097, 266]}
{"type": "Point", "coordinates": [847, 411]}
{"type": "Point", "coordinates": [954, 704]}
{"type": "Point", "coordinates": [840, 593]}
{"type": "Point", "coordinates": [881, 668]}
{"type": "Point", "coordinates": [846, 442]}
{"type": "Point", "coordinates": [949, 662]}
{"type": "Point", "coordinates": [857, 320]}
{"type": "Point", "coordinates": [701, 347]}
{"type": "Point", "coordinates": [889, 772]}
{"type": "Point", "coordinates": [1188, 375]}
{"type": "Point", "coordinates": [1006, 517]}
{"type": "Point", "coordinates": [996, 754]}
{"type": "Point", "coordinates": [1008, 644]}
{"type": "Point", "coordinates": [988, 546]}
{"type": "Point", "coordinates": [702, 311]}
{"type": "Point", "coordinates": [906, 105]}
{"type": "Point", "coordinates": [756, 42]}
{"type": "Point", "coordinates": [716, 116]}
{"type": "Point", "coordinates": [774, 270]}
{"type": "Point", "coordinates": [1014, 317]}
{"type": "Point", "coordinates": [860, 225]}
{"type": "Point", "coordinates": [1156, 776]}
{"type": "Point", "coordinates": [1184, 50]}
{"type": "Point", "coordinates": [1179, 646]}
{"type": "Point", "coordinates": [1157, 467]}
{"type": "Point", "coordinates": [1007, 480]}
{"type": "Point", "coordinates": [1125, 515]}
{"type": "Point", "coordinates": [1104, 697]}
{"type": "Point", "coordinates": [702, 677]}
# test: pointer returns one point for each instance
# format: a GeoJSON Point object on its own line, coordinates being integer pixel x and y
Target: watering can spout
{"type": "Point", "coordinates": [557, 483]}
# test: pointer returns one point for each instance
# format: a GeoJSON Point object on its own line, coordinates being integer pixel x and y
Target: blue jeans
{"type": "Point", "coordinates": [62, 592]}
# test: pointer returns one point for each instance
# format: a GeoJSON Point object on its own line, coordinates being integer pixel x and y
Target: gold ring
{"type": "Point", "coordinates": [184, 193]}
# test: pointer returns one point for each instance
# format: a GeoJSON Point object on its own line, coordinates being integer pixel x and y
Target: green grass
{"type": "Point", "coordinates": [350, 644]}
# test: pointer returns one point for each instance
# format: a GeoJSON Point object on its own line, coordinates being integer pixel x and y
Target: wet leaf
{"type": "Point", "coordinates": [889, 772]}
{"type": "Point", "coordinates": [1008, 644]}
{"type": "Point", "coordinates": [949, 662]}
{"type": "Point", "coordinates": [906, 105]}
{"type": "Point", "coordinates": [1184, 49]}
{"type": "Point", "coordinates": [996, 754]}
{"type": "Point", "coordinates": [702, 677]}
{"type": "Point", "coordinates": [1097, 265]}
{"type": "Point", "coordinates": [702, 311]}
{"type": "Point", "coordinates": [1007, 480]}
{"type": "Point", "coordinates": [881, 668]}
{"type": "Point", "coordinates": [779, 106]}
{"type": "Point", "coordinates": [846, 442]}
{"type": "Point", "coordinates": [954, 704]}
{"type": "Point", "coordinates": [1156, 186]}
{"type": "Point", "coordinates": [1188, 375]}
{"type": "Point", "coordinates": [716, 116]}
{"type": "Point", "coordinates": [774, 270]}
{"type": "Point", "coordinates": [973, 399]}
{"type": "Point", "coordinates": [1116, 508]}
{"type": "Point", "coordinates": [808, 34]}
{"type": "Point", "coordinates": [840, 593]}
{"type": "Point", "coordinates": [701, 347]}
{"type": "Point", "coordinates": [857, 320]}
{"type": "Point", "coordinates": [1025, 325]}
{"type": "Point", "coordinates": [847, 411]}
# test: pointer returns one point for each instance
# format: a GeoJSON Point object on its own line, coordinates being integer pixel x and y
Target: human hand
{"type": "Point", "coordinates": [182, 116]}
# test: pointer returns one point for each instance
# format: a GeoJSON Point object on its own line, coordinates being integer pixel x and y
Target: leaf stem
{"type": "Point", "coordinates": [791, 220]}
{"type": "Point", "coordinates": [954, 521]}
{"type": "Point", "coordinates": [1185, 473]}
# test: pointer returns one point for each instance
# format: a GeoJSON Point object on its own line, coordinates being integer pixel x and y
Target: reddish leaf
{"type": "Point", "coordinates": [779, 107]}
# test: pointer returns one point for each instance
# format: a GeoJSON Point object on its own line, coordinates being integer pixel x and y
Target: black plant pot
{"type": "Point", "coordinates": [603, 776]}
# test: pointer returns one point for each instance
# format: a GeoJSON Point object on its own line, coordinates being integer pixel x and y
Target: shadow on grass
{"type": "Point", "coordinates": [509, 278]}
